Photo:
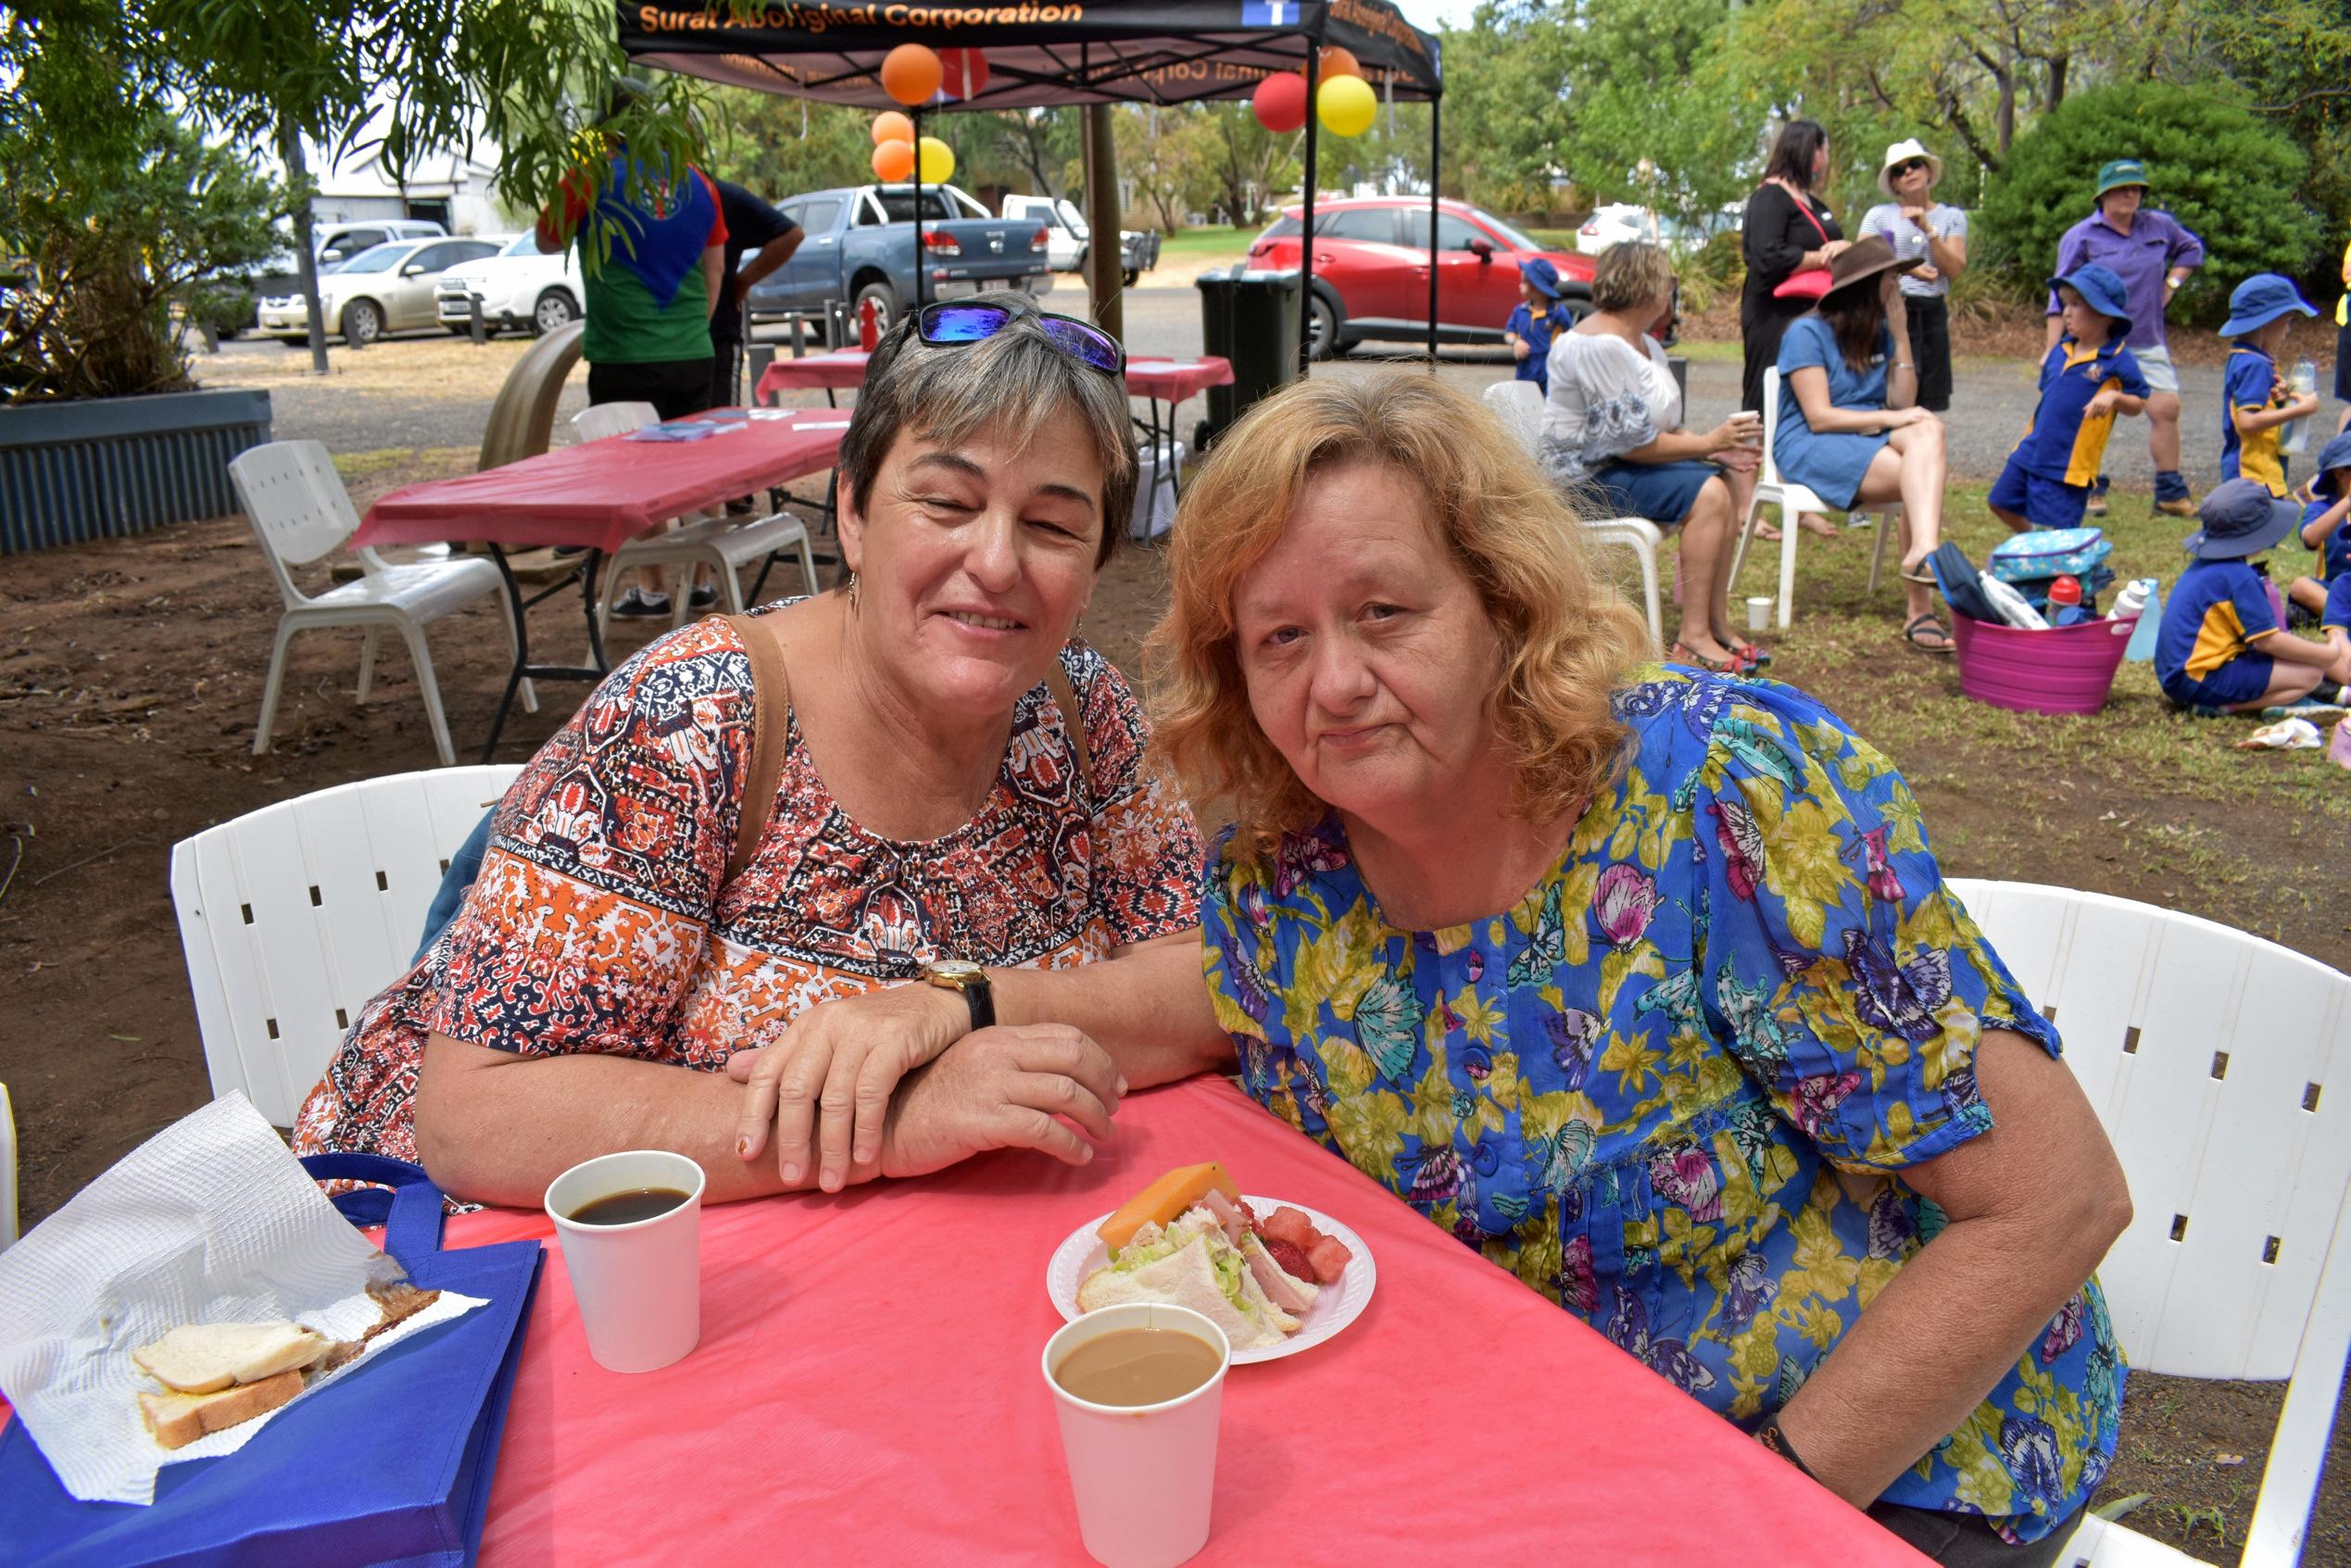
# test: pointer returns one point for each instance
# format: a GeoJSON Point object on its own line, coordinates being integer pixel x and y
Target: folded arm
{"type": "Point", "coordinates": [2033, 1204]}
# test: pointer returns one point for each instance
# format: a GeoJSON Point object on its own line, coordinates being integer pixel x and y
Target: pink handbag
{"type": "Point", "coordinates": [1809, 283]}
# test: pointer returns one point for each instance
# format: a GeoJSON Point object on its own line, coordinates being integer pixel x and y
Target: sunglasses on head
{"type": "Point", "coordinates": [950, 326]}
{"type": "Point", "coordinates": [1911, 166]}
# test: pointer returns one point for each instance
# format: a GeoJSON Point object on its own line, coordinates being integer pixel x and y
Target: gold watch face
{"type": "Point", "coordinates": [954, 973]}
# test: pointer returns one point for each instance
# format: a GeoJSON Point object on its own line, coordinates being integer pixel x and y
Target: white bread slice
{"type": "Point", "coordinates": [178, 1420]}
{"type": "Point", "coordinates": [204, 1358]}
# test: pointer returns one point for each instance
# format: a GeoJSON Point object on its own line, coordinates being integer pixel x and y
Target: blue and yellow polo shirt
{"type": "Point", "coordinates": [2252, 384]}
{"type": "Point", "coordinates": [2061, 444]}
{"type": "Point", "coordinates": [2217, 611]}
{"type": "Point", "coordinates": [2335, 550]}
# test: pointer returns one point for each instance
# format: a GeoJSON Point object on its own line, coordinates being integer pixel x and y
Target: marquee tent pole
{"type": "Point", "coordinates": [1306, 227]}
{"type": "Point", "coordinates": [1435, 107]}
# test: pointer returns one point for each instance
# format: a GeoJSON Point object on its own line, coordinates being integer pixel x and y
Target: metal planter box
{"type": "Point", "coordinates": [116, 466]}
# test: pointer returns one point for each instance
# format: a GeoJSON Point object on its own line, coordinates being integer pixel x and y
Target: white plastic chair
{"type": "Point", "coordinates": [292, 917]}
{"type": "Point", "coordinates": [1792, 500]}
{"type": "Point", "coordinates": [720, 543]}
{"type": "Point", "coordinates": [2210, 1057]}
{"type": "Point", "coordinates": [8, 1170]}
{"type": "Point", "coordinates": [1519, 406]}
{"type": "Point", "coordinates": [300, 513]}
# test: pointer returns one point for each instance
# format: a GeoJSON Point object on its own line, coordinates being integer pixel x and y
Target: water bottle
{"type": "Point", "coordinates": [2296, 439]}
{"type": "Point", "coordinates": [2064, 602]}
{"type": "Point", "coordinates": [2011, 606]}
{"type": "Point", "coordinates": [2132, 601]}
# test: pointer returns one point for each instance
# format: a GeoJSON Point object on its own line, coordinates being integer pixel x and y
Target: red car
{"type": "Point", "coordinates": [1371, 270]}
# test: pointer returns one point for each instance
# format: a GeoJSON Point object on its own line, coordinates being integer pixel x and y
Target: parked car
{"type": "Point", "coordinates": [521, 287]}
{"type": "Point", "coordinates": [860, 245]}
{"type": "Point", "coordinates": [385, 289]}
{"type": "Point", "coordinates": [1371, 270]}
{"type": "Point", "coordinates": [1068, 236]}
{"type": "Point", "coordinates": [339, 243]}
{"type": "Point", "coordinates": [1619, 221]}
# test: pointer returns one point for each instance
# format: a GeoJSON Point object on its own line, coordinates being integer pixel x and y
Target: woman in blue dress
{"type": "Point", "coordinates": [1850, 428]}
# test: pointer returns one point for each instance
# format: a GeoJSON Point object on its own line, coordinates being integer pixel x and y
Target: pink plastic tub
{"type": "Point", "coordinates": [2063, 670]}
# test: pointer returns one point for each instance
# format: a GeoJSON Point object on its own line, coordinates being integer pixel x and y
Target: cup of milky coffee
{"type": "Point", "coordinates": [1139, 1387]}
{"type": "Point", "coordinates": [631, 1227]}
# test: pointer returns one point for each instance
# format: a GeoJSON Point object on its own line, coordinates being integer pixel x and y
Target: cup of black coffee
{"type": "Point", "coordinates": [631, 1229]}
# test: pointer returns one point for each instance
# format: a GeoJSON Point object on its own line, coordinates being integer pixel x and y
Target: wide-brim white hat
{"type": "Point", "coordinates": [1903, 151]}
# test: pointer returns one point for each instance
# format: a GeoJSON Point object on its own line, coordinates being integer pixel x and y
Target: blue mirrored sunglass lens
{"type": "Point", "coordinates": [1094, 347]}
{"type": "Point", "coordinates": [963, 323]}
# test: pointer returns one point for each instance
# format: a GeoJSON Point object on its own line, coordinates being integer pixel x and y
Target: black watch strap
{"type": "Point", "coordinates": [980, 997]}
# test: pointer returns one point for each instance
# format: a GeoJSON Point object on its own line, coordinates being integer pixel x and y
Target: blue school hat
{"type": "Point", "coordinates": [2260, 300]}
{"type": "Point", "coordinates": [2335, 454]}
{"type": "Point", "coordinates": [2241, 518]}
{"type": "Point", "coordinates": [1544, 275]}
{"type": "Point", "coordinates": [2102, 290]}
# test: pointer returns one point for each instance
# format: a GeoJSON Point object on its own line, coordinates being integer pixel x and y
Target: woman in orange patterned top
{"type": "Point", "coordinates": [936, 818]}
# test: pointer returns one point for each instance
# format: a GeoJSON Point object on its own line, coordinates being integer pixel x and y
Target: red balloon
{"type": "Point", "coordinates": [1280, 102]}
{"type": "Point", "coordinates": [953, 63]}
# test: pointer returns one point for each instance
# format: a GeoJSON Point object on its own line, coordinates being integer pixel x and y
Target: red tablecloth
{"type": "Point", "coordinates": [844, 370]}
{"type": "Point", "coordinates": [839, 370]}
{"type": "Point", "coordinates": [1176, 379]}
{"type": "Point", "coordinates": [601, 494]}
{"type": "Point", "coordinates": [866, 1390]}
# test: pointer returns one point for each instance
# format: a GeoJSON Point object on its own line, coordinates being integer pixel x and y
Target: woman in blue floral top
{"type": "Point", "coordinates": [1641, 981]}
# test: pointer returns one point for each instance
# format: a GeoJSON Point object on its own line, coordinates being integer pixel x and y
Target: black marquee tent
{"type": "Point", "coordinates": [1068, 53]}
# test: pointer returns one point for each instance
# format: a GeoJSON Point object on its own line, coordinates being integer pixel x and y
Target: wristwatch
{"type": "Point", "coordinates": [962, 975]}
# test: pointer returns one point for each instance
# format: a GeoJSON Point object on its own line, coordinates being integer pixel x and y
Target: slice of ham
{"type": "Point", "coordinates": [1289, 1295]}
{"type": "Point", "coordinates": [1236, 1226]}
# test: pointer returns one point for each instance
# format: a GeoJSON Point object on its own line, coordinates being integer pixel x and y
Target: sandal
{"type": "Point", "coordinates": [1918, 571]}
{"type": "Point", "coordinates": [1752, 655]}
{"type": "Point", "coordinates": [1683, 653]}
{"type": "Point", "coordinates": [1919, 627]}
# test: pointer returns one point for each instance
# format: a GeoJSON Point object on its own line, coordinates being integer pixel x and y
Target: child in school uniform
{"type": "Point", "coordinates": [2256, 402]}
{"type": "Point", "coordinates": [2220, 646]}
{"type": "Point", "coordinates": [2087, 379]}
{"type": "Point", "coordinates": [2326, 527]}
{"type": "Point", "coordinates": [1536, 321]}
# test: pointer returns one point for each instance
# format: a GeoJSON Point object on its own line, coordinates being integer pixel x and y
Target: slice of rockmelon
{"type": "Point", "coordinates": [1165, 1199]}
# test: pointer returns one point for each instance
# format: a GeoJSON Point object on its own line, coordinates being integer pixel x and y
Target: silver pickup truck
{"type": "Point", "coordinates": [860, 245]}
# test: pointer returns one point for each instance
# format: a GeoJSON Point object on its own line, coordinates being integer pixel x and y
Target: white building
{"type": "Point", "coordinates": [451, 188]}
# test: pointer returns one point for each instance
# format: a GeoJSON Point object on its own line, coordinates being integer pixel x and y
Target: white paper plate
{"type": "Point", "coordinates": [1336, 1305]}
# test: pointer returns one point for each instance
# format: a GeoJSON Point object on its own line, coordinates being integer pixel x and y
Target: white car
{"type": "Point", "coordinates": [386, 289]}
{"type": "Point", "coordinates": [521, 287]}
{"type": "Point", "coordinates": [1617, 222]}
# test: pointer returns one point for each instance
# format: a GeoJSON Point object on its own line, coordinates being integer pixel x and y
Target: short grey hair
{"type": "Point", "coordinates": [1013, 382]}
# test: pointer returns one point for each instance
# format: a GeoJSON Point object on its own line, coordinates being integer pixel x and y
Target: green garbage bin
{"type": "Point", "coordinates": [1250, 317]}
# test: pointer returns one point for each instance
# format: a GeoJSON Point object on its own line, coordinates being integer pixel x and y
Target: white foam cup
{"type": "Point", "coordinates": [1144, 1475]}
{"type": "Point", "coordinates": [1759, 612]}
{"type": "Point", "coordinates": [639, 1286]}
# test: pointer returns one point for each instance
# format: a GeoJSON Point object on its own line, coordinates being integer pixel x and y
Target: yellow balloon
{"type": "Point", "coordinates": [1346, 106]}
{"type": "Point", "coordinates": [936, 160]}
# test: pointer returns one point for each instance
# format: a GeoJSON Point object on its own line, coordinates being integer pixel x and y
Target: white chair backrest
{"type": "Point", "coordinates": [2210, 1057]}
{"type": "Point", "coordinates": [296, 504]}
{"type": "Point", "coordinates": [293, 916]}
{"type": "Point", "coordinates": [1519, 406]}
{"type": "Point", "coordinates": [600, 420]}
{"type": "Point", "coordinates": [8, 1170]}
{"type": "Point", "coordinates": [1770, 475]}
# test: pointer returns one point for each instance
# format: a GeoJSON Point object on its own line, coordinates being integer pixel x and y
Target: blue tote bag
{"type": "Point", "coordinates": [391, 1465]}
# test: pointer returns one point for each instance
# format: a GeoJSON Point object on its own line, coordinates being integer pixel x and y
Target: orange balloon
{"type": "Point", "coordinates": [891, 126]}
{"type": "Point", "coordinates": [911, 73]}
{"type": "Point", "coordinates": [1340, 62]}
{"type": "Point", "coordinates": [893, 161]}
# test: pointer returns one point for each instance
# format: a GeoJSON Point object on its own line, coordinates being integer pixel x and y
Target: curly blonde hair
{"type": "Point", "coordinates": [1571, 637]}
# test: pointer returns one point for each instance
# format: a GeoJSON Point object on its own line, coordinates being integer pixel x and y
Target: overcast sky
{"type": "Point", "coordinates": [1429, 14]}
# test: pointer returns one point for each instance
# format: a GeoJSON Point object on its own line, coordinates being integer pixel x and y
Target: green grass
{"type": "Point", "coordinates": [362, 465]}
{"type": "Point", "coordinates": [2138, 799]}
{"type": "Point", "coordinates": [1210, 239]}
{"type": "Point", "coordinates": [1551, 239]}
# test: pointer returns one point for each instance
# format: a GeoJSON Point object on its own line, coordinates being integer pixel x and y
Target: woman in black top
{"type": "Point", "coordinates": [1787, 230]}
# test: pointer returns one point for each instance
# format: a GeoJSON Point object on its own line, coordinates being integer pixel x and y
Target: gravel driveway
{"type": "Point", "coordinates": [351, 413]}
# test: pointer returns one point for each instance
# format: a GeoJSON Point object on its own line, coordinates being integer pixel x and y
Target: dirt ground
{"type": "Point", "coordinates": [130, 672]}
